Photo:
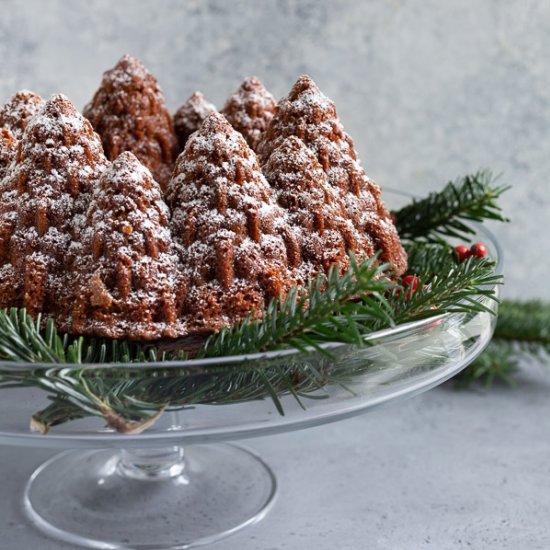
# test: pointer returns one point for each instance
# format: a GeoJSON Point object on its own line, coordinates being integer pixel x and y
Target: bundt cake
{"type": "Point", "coordinates": [308, 114]}
{"type": "Point", "coordinates": [127, 275]}
{"type": "Point", "coordinates": [190, 116]}
{"type": "Point", "coordinates": [60, 158]}
{"type": "Point", "coordinates": [15, 114]}
{"type": "Point", "coordinates": [238, 251]}
{"type": "Point", "coordinates": [110, 239]}
{"type": "Point", "coordinates": [129, 113]}
{"type": "Point", "coordinates": [250, 109]}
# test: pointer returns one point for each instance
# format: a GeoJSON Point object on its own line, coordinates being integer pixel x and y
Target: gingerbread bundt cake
{"type": "Point", "coordinates": [60, 159]}
{"type": "Point", "coordinates": [250, 109]}
{"type": "Point", "coordinates": [93, 245]}
{"type": "Point", "coordinates": [189, 117]}
{"type": "Point", "coordinates": [15, 114]}
{"type": "Point", "coordinates": [129, 113]}
{"type": "Point", "coordinates": [127, 275]}
{"type": "Point", "coordinates": [238, 251]}
{"type": "Point", "coordinates": [308, 114]}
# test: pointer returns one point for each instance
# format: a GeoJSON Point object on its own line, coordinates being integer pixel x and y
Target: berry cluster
{"type": "Point", "coordinates": [462, 252]}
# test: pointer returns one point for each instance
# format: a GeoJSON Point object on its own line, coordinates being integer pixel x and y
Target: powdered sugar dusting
{"type": "Point", "coordinates": [318, 209]}
{"type": "Point", "coordinates": [19, 109]}
{"type": "Point", "coordinates": [250, 109]}
{"type": "Point", "coordinates": [190, 116]}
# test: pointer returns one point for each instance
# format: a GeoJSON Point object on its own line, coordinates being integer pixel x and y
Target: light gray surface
{"type": "Point", "coordinates": [447, 470]}
{"type": "Point", "coordinates": [429, 90]}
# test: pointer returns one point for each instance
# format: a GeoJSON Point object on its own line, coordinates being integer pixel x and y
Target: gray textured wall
{"type": "Point", "coordinates": [429, 90]}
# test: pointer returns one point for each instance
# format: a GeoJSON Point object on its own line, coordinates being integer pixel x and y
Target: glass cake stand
{"type": "Point", "coordinates": [172, 480]}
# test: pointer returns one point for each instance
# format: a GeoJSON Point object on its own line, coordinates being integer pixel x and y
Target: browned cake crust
{"type": "Point", "coordinates": [8, 147]}
{"type": "Point", "coordinates": [129, 113]}
{"type": "Point", "coordinates": [309, 115]}
{"type": "Point", "coordinates": [190, 116]}
{"type": "Point", "coordinates": [59, 159]}
{"type": "Point", "coordinates": [15, 114]}
{"type": "Point", "coordinates": [250, 109]}
{"type": "Point", "coordinates": [315, 208]}
{"type": "Point", "coordinates": [127, 278]}
{"type": "Point", "coordinates": [237, 249]}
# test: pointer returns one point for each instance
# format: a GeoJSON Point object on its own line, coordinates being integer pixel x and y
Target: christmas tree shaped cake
{"type": "Point", "coordinates": [15, 114]}
{"type": "Point", "coordinates": [250, 109]}
{"type": "Point", "coordinates": [190, 116]}
{"type": "Point", "coordinates": [309, 115]}
{"type": "Point", "coordinates": [314, 207]}
{"type": "Point", "coordinates": [238, 250]}
{"type": "Point", "coordinates": [59, 160]}
{"type": "Point", "coordinates": [129, 113]}
{"type": "Point", "coordinates": [127, 278]}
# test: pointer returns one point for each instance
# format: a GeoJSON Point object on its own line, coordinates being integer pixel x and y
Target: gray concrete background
{"type": "Point", "coordinates": [429, 90]}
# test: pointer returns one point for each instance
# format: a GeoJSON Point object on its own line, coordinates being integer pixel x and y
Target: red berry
{"type": "Point", "coordinates": [410, 281]}
{"type": "Point", "coordinates": [462, 252]}
{"type": "Point", "coordinates": [478, 250]}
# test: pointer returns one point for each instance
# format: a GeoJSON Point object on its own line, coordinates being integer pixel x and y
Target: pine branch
{"type": "Point", "coordinates": [328, 311]}
{"type": "Point", "coordinates": [22, 339]}
{"type": "Point", "coordinates": [444, 213]}
{"type": "Point", "coordinates": [522, 333]}
{"type": "Point", "coordinates": [445, 286]}
{"type": "Point", "coordinates": [526, 323]}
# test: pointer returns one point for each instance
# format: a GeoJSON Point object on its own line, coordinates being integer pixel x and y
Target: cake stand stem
{"type": "Point", "coordinates": [152, 464]}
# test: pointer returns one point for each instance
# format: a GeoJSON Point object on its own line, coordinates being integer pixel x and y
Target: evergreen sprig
{"type": "Point", "coordinates": [445, 213]}
{"type": "Point", "coordinates": [22, 339]}
{"type": "Point", "coordinates": [445, 286]}
{"type": "Point", "coordinates": [332, 309]}
{"type": "Point", "coordinates": [522, 333]}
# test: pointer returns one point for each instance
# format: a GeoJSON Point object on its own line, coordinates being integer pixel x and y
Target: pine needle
{"type": "Point", "coordinates": [522, 334]}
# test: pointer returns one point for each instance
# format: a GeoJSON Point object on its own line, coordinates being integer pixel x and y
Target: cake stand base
{"type": "Point", "coordinates": [157, 499]}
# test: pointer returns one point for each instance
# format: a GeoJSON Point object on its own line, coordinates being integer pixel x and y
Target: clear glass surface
{"type": "Point", "coordinates": [213, 400]}
{"type": "Point", "coordinates": [231, 397]}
